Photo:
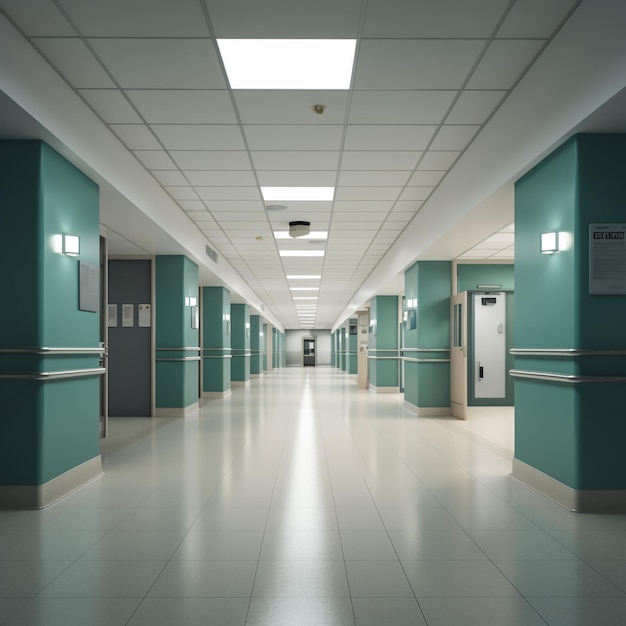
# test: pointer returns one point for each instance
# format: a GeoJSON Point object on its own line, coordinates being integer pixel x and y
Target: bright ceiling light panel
{"type": "Point", "coordinates": [304, 288]}
{"type": "Point", "coordinates": [298, 194]}
{"type": "Point", "coordinates": [316, 234]}
{"type": "Point", "coordinates": [288, 63]}
{"type": "Point", "coordinates": [303, 276]}
{"type": "Point", "coordinates": [305, 297]}
{"type": "Point", "coordinates": [301, 252]}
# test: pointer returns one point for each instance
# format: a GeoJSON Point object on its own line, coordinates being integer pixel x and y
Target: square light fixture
{"type": "Point", "coordinates": [303, 253]}
{"type": "Point", "coordinates": [298, 194]}
{"type": "Point", "coordinates": [549, 243]}
{"type": "Point", "coordinates": [66, 244]}
{"type": "Point", "coordinates": [288, 63]}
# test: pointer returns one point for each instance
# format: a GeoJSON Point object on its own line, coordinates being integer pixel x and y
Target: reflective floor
{"type": "Point", "coordinates": [304, 501]}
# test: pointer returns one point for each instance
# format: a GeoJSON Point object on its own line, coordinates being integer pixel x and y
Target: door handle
{"type": "Point", "coordinates": [481, 371]}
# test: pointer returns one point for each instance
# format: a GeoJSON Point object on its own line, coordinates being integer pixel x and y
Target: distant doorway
{"type": "Point", "coordinates": [308, 351]}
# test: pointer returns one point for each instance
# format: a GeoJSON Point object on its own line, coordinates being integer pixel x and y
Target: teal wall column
{"type": "Point", "coordinates": [256, 356]}
{"type": "Point", "coordinates": [570, 346]}
{"type": "Point", "coordinates": [383, 354]}
{"type": "Point", "coordinates": [240, 366]}
{"type": "Point", "coordinates": [283, 349]}
{"type": "Point", "coordinates": [264, 346]}
{"type": "Point", "coordinates": [333, 349]}
{"type": "Point", "coordinates": [343, 343]}
{"type": "Point", "coordinates": [275, 357]}
{"type": "Point", "coordinates": [352, 349]}
{"type": "Point", "coordinates": [177, 335]}
{"type": "Point", "coordinates": [216, 349]}
{"type": "Point", "coordinates": [426, 353]}
{"type": "Point", "coordinates": [50, 422]}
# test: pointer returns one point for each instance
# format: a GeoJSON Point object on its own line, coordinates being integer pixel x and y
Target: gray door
{"type": "Point", "coordinates": [129, 339]}
{"type": "Point", "coordinates": [308, 357]}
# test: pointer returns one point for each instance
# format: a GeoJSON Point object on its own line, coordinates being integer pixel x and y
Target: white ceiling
{"type": "Point", "coordinates": [430, 79]}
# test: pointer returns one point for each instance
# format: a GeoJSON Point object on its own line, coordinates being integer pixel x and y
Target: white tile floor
{"type": "Point", "coordinates": [304, 501]}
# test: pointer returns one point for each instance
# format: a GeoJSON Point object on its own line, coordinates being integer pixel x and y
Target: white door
{"type": "Point", "coordinates": [489, 345]}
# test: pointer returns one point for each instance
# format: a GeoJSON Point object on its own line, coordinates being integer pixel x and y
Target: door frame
{"type": "Point", "coordinates": [314, 339]}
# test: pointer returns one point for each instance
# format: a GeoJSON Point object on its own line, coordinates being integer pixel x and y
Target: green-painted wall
{"type": "Point", "coordinates": [240, 319]}
{"type": "Point", "coordinates": [427, 334]}
{"type": "Point", "coordinates": [256, 334]}
{"type": "Point", "coordinates": [573, 433]}
{"type": "Point", "coordinates": [383, 342]}
{"type": "Point", "coordinates": [176, 284]}
{"type": "Point", "coordinates": [264, 346]}
{"type": "Point", "coordinates": [216, 339]}
{"type": "Point", "coordinates": [471, 275]}
{"type": "Point", "coordinates": [47, 428]}
{"type": "Point", "coordinates": [275, 357]}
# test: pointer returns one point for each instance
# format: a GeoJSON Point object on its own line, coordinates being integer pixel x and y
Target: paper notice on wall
{"type": "Point", "coordinates": [112, 315]}
{"type": "Point", "coordinates": [607, 259]}
{"type": "Point", "coordinates": [145, 318]}
{"type": "Point", "coordinates": [128, 315]}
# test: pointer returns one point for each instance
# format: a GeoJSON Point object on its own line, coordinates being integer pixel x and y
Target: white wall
{"type": "Point", "coordinates": [294, 346]}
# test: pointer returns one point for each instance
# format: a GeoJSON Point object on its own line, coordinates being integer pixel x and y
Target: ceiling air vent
{"type": "Point", "coordinates": [212, 254]}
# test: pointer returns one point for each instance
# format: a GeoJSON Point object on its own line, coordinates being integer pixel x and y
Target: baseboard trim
{"type": "Point", "coordinates": [40, 496]}
{"type": "Point", "coordinates": [579, 500]}
{"type": "Point", "coordinates": [182, 411]}
{"type": "Point", "coordinates": [384, 389]}
{"type": "Point", "coordinates": [216, 394]}
{"type": "Point", "coordinates": [239, 383]}
{"type": "Point", "coordinates": [458, 410]}
{"type": "Point", "coordinates": [427, 411]}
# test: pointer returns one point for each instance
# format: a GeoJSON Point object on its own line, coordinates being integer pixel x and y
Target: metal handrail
{"type": "Point", "coordinates": [564, 352]}
{"type": "Point", "coordinates": [95, 371]}
{"type": "Point", "coordinates": [566, 378]}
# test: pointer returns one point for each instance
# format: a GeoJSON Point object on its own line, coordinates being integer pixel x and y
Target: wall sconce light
{"type": "Point", "coordinates": [66, 244]}
{"type": "Point", "coordinates": [549, 243]}
{"type": "Point", "coordinates": [71, 245]}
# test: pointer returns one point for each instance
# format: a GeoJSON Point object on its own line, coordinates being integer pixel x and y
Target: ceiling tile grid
{"type": "Point", "coordinates": [427, 76]}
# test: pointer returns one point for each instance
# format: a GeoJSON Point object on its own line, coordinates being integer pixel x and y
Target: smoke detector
{"type": "Point", "coordinates": [299, 229]}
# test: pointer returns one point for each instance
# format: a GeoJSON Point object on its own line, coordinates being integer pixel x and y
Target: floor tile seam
{"type": "Point", "coordinates": [287, 434]}
{"type": "Point", "coordinates": [525, 598]}
{"type": "Point", "coordinates": [479, 440]}
{"type": "Point", "coordinates": [597, 571]}
{"type": "Point", "coordinates": [166, 563]}
{"type": "Point", "coordinates": [470, 475]}
{"type": "Point", "coordinates": [14, 612]}
{"type": "Point", "coordinates": [323, 433]}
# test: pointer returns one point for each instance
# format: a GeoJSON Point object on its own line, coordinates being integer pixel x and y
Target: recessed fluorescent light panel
{"type": "Point", "coordinates": [288, 63]}
{"type": "Point", "coordinates": [298, 194]}
{"type": "Point", "coordinates": [301, 252]}
{"type": "Point", "coordinates": [303, 276]}
{"type": "Point", "coordinates": [304, 288]}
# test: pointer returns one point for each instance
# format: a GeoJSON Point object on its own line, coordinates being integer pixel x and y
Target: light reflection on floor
{"type": "Point", "coordinates": [302, 500]}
